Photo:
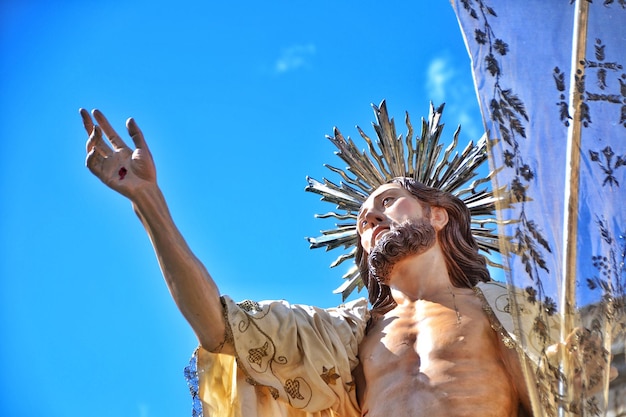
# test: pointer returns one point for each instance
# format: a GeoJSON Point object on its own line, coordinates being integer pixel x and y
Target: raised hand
{"type": "Point", "coordinates": [123, 169]}
{"type": "Point", "coordinates": [132, 173]}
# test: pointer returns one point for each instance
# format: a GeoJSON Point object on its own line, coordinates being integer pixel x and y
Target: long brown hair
{"type": "Point", "coordinates": [466, 267]}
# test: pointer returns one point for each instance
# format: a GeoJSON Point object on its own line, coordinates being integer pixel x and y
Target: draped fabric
{"type": "Point", "coordinates": [296, 361]}
{"type": "Point", "coordinates": [291, 361]}
{"type": "Point", "coordinates": [551, 84]}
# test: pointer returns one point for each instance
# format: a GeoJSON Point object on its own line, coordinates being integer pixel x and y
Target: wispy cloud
{"type": "Point", "coordinates": [143, 410]}
{"type": "Point", "coordinates": [294, 57]}
{"type": "Point", "coordinates": [445, 83]}
{"type": "Point", "coordinates": [438, 76]}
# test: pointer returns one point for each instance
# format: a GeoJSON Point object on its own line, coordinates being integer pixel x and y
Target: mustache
{"type": "Point", "coordinates": [409, 238]}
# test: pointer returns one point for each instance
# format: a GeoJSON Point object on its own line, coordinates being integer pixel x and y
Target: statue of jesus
{"type": "Point", "coordinates": [426, 346]}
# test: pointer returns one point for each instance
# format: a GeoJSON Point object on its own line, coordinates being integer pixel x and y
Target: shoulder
{"type": "Point", "coordinates": [494, 298]}
{"type": "Point", "coordinates": [355, 309]}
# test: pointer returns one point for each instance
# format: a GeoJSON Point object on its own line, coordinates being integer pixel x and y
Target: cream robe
{"type": "Point", "coordinates": [297, 361]}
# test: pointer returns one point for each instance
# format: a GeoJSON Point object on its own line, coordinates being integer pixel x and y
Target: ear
{"type": "Point", "coordinates": [438, 217]}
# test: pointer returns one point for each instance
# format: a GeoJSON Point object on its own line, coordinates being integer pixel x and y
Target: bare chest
{"type": "Point", "coordinates": [425, 332]}
{"type": "Point", "coordinates": [430, 356]}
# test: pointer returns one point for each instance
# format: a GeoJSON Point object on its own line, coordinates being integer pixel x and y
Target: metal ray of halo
{"type": "Point", "coordinates": [390, 156]}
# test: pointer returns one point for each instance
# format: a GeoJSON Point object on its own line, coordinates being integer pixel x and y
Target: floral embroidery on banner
{"type": "Point", "coordinates": [612, 90]}
{"type": "Point", "coordinates": [610, 279]}
{"type": "Point", "coordinates": [608, 166]}
{"type": "Point", "coordinates": [601, 81]}
{"type": "Point", "coordinates": [508, 113]}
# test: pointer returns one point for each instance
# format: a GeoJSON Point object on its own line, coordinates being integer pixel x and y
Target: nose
{"type": "Point", "coordinates": [374, 217]}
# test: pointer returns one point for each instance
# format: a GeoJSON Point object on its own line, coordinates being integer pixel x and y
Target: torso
{"type": "Point", "coordinates": [436, 359]}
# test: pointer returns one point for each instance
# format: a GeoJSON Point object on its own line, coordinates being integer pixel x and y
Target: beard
{"type": "Point", "coordinates": [409, 238]}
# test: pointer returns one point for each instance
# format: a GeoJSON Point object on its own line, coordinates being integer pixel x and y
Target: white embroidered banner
{"type": "Point", "coordinates": [551, 84]}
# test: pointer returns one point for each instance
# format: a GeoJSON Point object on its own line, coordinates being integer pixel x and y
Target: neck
{"type": "Point", "coordinates": [420, 277]}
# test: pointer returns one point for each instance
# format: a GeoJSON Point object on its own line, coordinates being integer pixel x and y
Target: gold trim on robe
{"type": "Point", "coordinates": [297, 360]}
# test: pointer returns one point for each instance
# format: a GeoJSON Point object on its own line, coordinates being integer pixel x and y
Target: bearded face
{"type": "Point", "coordinates": [411, 237]}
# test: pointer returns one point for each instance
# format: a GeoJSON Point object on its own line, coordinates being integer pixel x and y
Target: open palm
{"type": "Point", "coordinates": [121, 168]}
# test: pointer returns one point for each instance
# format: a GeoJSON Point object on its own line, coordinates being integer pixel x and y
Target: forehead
{"type": "Point", "coordinates": [382, 191]}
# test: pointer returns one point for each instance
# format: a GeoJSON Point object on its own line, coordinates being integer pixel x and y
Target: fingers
{"type": "Point", "coordinates": [96, 144]}
{"type": "Point", "coordinates": [87, 122]}
{"type": "Point", "coordinates": [108, 130]}
{"type": "Point", "coordinates": [97, 151]}
{"type": "Point", "coordinates": [136, 134]}
{"type": "Point", "coordinates": [95, 161]}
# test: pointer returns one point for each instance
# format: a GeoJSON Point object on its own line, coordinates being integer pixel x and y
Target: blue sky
{"type": "Point", "coordinates": [235, 100]}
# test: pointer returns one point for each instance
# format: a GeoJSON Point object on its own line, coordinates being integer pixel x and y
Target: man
{"type": "Point", "coordinates": [428, 348]}
{"type": "Point", "coordinates": [432, 332]}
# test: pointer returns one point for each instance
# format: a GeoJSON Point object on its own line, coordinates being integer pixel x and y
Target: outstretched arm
{"type": "Point", "coordinates": [132, 173]}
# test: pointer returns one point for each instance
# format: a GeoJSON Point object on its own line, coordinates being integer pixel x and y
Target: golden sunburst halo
{"type": "Point", "coordinates": [422, 158]}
